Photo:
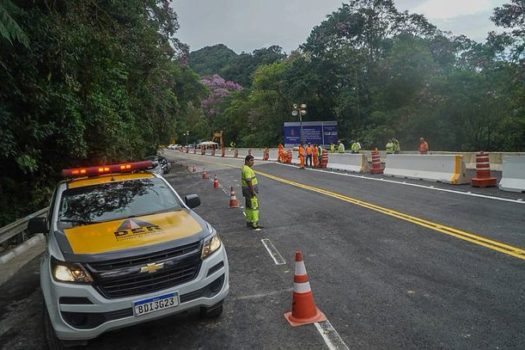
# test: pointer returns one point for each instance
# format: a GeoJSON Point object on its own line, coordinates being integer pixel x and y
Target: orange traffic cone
{"type": "Point", "coordinates": [215, 182]}
{"type": "Point", "coordinates": [205, 174]}
{"type": "Point", "coordinates": [483, 178]}
{"type": "Point", "coordinates": [304, 310]}
{"type": "Point", "coordinates": [234, 203]}
{"type": "Point", "coordinates": [376, 163]}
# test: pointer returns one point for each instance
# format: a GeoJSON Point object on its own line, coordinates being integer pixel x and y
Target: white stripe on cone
{"type": "Point", "coordinates": [300, 269]}
{"type": "Point", "coordinates": [303, 287]}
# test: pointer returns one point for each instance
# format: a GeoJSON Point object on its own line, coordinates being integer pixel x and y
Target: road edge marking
{"type": "Point", "coordinates": [274, 253]}
{"type": "Point", "coordinates": [332, 339]}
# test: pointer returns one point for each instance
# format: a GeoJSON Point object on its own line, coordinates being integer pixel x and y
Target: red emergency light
{"type": "Point", "coordinates": [107, 169]}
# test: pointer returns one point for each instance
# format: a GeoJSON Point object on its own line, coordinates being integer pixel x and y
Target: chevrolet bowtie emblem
{"type": "Point", "coordinates": [153, 267]}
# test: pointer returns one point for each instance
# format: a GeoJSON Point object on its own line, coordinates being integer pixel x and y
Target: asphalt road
{"type": "Point", "coordinates": [393, 266]}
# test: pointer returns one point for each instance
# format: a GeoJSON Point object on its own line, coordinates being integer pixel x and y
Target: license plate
{"type": "Point", "coordinates": [162, 302]}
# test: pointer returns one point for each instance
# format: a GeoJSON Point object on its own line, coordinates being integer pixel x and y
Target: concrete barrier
{"type": "Point", "coordinates": [513, 175]}
{"type": "Point", "coordinates": [348, 161]}
{"type": "Point", "coordinates": [439, 168]}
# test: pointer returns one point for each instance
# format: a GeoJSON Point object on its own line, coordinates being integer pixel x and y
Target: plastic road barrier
{"type": "Point", "coordinates": [352, 162]}
{"type": "Point", "coordinates": [513, 175]}
{"type": "Point", "coordinates": [436, 167]}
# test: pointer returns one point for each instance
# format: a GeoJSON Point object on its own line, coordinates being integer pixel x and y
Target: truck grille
{"type": "Point", "coordinates": [123, 277]}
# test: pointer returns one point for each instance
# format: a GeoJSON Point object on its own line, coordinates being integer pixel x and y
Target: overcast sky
{"type": "Point", "coordinates": [246, 25]}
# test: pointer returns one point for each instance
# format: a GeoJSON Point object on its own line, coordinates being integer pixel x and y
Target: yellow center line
{"type": "Point", "coordinates": [466, 236]}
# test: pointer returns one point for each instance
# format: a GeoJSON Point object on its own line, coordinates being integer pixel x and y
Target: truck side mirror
{"type": "Point", "coordinates": [192, 200]}
{"type": "Point", "coordinates": [37, 225]}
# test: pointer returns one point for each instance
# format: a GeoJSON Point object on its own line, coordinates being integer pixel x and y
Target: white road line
{"type": "Point", "coordinates": [262, 295]}
{"type": "Point", "coordinates": [330, 336]}
{"type": "Point", "coordinates": [274, 253]}
{"type": "Point", "coordinates": [430, 187]}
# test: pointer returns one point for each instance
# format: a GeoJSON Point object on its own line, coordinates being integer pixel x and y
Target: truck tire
{"type": "Point", "coordinates": [214, 311]}
{"type": "Point", "coordinates": [53, 343]}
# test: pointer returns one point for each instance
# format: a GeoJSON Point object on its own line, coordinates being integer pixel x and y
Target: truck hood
{"type": "Point", "coordinates": [131, 233]}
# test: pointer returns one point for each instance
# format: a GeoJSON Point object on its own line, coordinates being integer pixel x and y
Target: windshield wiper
{"type": "Point", "coordinates": [77, 221]}
{"type": "Point", "coordinates": [166, 210]}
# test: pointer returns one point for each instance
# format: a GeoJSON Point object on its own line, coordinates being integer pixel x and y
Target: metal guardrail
{"type": "Point", "coordinates": [16, 231]}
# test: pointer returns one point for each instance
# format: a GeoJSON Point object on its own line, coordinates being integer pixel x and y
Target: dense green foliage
{"type": "Point", "coordinates": [221, 60]}
{"type": "Point", "coordinates": [211, 59]}
{"type": "Point", "coordinates": [99, 82]}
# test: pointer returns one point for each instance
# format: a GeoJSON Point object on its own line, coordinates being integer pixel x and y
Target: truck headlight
{"type": "Point", "coordinates": [211, 245]}
{"type": "Point", "coordinates": [69, 272]}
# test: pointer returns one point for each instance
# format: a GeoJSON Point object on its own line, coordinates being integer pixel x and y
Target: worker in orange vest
{"type": "Point", "coordinates": [280, 157]}
{"type": "Point", "coordinates": [423, 146]}
{"type": "Point", "coordinates": [315, 151]}
{"type": "Point", "coordinates": [309, 151]}
{"type": "Point", "coordinates": [302, 154]}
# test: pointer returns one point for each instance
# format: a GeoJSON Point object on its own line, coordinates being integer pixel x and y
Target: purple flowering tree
{"type": "Point", "coordinates": [219, 89]}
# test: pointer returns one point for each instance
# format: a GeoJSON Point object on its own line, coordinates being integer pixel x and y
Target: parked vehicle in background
{"type": "Point", "coordinates": [174, 146]}
{"type": "Point", "coordinates": [208, 145]}
{"type": "Point", "coordinates": [161, 165]}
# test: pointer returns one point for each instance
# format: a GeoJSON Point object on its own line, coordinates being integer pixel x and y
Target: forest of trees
{"type": "Point", "coordinates": [101, 81]}
{"type": "Point", "coordinates": [381, 73]}
{"type": "Point", "coordinates": [85, 82]}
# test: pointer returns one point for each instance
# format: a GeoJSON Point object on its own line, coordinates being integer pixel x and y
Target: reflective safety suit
{"type": "Point", "coordinates": [302, 154]}
{"type": "Point", "coordinates": [356, 147]}
{"type": "Point", "coordinates": [389, 147]}
{"type": "Point", "coordinates": [397, 146]}
{"type": "Point", "coordinates": [315, 154]}
{"type": "Point", "coordinates": [251, 202]}
{"type": "Point", "coordinates": [309, 150]}
{"type": "Point", "coordinates": [341, 148]}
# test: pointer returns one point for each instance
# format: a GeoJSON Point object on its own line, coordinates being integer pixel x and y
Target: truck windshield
{"type": "Point", "coordinates": [115, 200]}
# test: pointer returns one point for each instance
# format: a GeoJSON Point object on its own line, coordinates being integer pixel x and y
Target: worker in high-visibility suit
{"type": "Point", "coordinates": [250, 190]}
{"type": "Point", "coordinates": [315, 155]}
{"type": "Point", "coordinates": [302, 154]}
{"type": "Point", "coordinates": [356, 147]}
{"type": "Point", "coordinates": [397, 146]}
{"type": "Point", "coordinates": [280, 157]}
{"type": "Point", "coordinates": [332, 148]}
{"type": "Point", "coordinates": [341, 147]}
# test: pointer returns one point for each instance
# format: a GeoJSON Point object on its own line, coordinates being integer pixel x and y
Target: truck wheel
{"type": "Point", "coordinates": [53, 343]}
{"type": "Point", "coordinates": [211, 312]}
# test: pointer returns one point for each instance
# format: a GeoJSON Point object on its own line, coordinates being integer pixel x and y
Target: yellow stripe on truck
{"type": "Point", "coordinates": [131, 233]}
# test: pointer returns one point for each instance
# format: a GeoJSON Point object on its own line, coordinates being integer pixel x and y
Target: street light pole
{"type": "Point", "coordinates": [187, 133]}
{"type": "Point", "coordinates": [299, 111]}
